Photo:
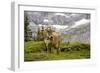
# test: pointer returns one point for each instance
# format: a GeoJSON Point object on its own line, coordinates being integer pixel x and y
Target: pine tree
{"type": "Point", "coordinates": [38, 34]}
{"type": "Point", "coordinates": [26, 23]}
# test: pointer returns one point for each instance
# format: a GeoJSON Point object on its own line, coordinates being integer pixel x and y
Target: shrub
{"type": "Point", "coordinates": [74, 46]}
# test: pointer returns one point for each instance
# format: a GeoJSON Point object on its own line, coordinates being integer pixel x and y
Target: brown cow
{"type": "Point", "coordinates": [55, 41]}
{"type": "Point", "coordinates": [51, 39]}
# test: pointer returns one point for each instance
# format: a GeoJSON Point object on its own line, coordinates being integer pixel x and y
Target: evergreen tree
{"type": "Point", "coordinates": [38, 34]}
{"type": "Point", "coordinates": [26, 23]}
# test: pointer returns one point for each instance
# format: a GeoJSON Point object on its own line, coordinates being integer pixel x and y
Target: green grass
{"type": "Point", "coordinates": [34, 46]}
{"type": "Point", "coordinates": [36, 51]}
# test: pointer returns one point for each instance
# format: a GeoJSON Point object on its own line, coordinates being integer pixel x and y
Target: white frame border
{"type": "Point", "coordinates": [16, 59]}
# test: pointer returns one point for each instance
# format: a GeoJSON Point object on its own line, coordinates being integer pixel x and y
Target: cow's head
{"type": "Point", "coordinates": [50, 37]}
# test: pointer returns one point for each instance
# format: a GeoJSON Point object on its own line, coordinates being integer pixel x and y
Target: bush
{"type": "Point", "coordinates": [74, 46]}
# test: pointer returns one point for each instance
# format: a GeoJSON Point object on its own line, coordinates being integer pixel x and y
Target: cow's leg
{"type": "Point", "coordinates": [50, 47]}
{"type": "Point", "coordinates": [47, 48]}
{"type": "Point", "coordinates": [58, 50]}
{"type": "Point", "coordinates": [47, 45]}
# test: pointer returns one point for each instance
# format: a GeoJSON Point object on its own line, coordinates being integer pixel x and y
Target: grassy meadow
{"type": "Point", "coordinates": [36, 51]}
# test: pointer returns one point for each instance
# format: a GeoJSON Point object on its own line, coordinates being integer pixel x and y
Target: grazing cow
{"type": "Point", "coordinates": [51, 39]}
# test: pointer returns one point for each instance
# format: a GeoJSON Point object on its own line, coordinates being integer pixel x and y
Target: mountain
{"type": "Point", "coordinates": [77, 34]}
{"type": "Point", "coordinates": [57, 18]}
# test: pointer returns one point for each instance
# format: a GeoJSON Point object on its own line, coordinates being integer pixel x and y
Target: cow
{"type": "Point", "coordinates": [51, 39]}
{"type": "Point", "coordinates": [55, 41]}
